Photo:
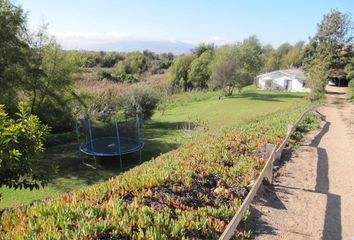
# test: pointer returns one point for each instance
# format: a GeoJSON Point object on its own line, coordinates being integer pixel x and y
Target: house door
{"type": "Point", "coordinates": [288, 84]}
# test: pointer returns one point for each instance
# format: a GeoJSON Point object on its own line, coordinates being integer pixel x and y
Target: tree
{"type": "Point", "coordinates": [316, 75]}
{"type": "Point", "coordinates": [133, 64]}
{"type": "Point", "coordinates": [21, 142]}
{"type": "Point", "coordinates": [349, 71]}
{"type": "Point", "coordinates": [141, 100]}
{"type": "Point", "coordinates": [203, 47]}
{"type": "Point", "coordinates": [49, 84]}
{"type": "Point", "coordinates": [13, 52]}
{"type": "Point", "coordinates": [334, 34]}
{"type": "Point", "coordinates": [236, 66]}
{"type": "Point", "coordinates": [294, 57]}
{"type": "Point", "coordinates": [199, 70]}
{"type": "Point", "coordinates": [178, 72]}
{"type": "Point", "coordinates": [110, 59]}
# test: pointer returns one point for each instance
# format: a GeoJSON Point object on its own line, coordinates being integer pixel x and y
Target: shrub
{"type": "Point", "coordinates": [104, 75]}
{"type": "Point", "coordinates": [21, 141]}
{"type": "Point", "coordinates": [110, 59]}
{"type": "Point", "coordinates": [125, 77]}
{"type": "Point", "coordinates": [140, 100]}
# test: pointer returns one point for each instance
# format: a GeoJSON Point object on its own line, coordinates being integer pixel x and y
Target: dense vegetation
{"type": "Point", "coordinates": [329, 52]}
{"type": "Point", "coordinates": [191, 192]}
{"type": "Point", "coordinates": [20, 143]}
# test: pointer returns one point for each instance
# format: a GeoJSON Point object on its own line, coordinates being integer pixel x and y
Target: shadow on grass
{"type": "Point", "coordinates": [268, 96]}
{"type": "Point", "coordinates": [72, 170]}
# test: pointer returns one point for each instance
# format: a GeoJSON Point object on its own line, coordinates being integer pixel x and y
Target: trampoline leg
{"type": "Point", "coordinates": [120, 161]}
{"type": "Point", "coordinates": [140, 156]}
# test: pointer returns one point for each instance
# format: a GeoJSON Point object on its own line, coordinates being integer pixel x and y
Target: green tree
{"type": "Point", "coordinates": [49, 86]}
{"type": "Point", "coordinates": [236, 66]}
{"type": "Point", "coordinates": [203, 47]}
{"type": "Point", "coordinates": [316, 75]}
{"type": "Point", "coordinates": [178, 72]}
{"type": "Point", "coordinates": [21, 142]}
{"type": "Point", "coordinates": [140, 99]}
{"type": "Point", "coordinates": [110, 59]}
{"type": "Point", "coordinates": [13, 52]}
{"type": "Point", "coordinates": [326, 48]}
{"type": "Point", "coordinates": [199, 70]}
{"type": "Point", "coordinates": [294, 57]}
{"type": "Point", "coordinates": [349, 71]}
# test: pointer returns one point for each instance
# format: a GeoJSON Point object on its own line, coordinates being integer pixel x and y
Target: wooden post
{"type": "Point", "coordinates": [269, 174]}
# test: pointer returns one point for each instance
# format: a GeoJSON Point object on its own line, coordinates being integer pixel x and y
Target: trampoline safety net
{"type": "Point", "coordinates": [113, 138]}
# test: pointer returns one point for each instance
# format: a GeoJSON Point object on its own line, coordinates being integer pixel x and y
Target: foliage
{"type": "Point", "coordinates": [329, 46]}
{"type": "Point", "coordinates": [202, 48]}
{"type": "Point", "coordinates": [110, 59]}
{"type": "Point", "coordinates": [349, 70]}
{"type": "Point", "coordinates": [21, 142]}
{"type": "Point", "coordinates": [142, 100]}
{"type": "Point", "coordinates": [133, 63]}
{"type": "Point", "coordinates": [285, 56]}
{"type": "Point", "coordinates": [189, 193]}
{"type": "Point", "coordinates": [199, 70]}
{"type": "Point", "coordinates": [310, 122]}
{"type": "Point", "coordinates": [178, 72]}
{"type": "Point", "coordinates": [50, 89]}
{"type": "Point", "coordinates": [236, 66]}
{"type": "Point", "coordinates": [104, 75]}
{"type": "Point", "coordinates": [316, 79]}
{"type": "Point", "coordinates": [13, 52]}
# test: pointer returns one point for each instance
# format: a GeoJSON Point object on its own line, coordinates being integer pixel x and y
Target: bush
{"type": "Point", "coordinates": [125, 78]}
{"type": "Point", "coordinates": [21, 141]}
{"type": "Point", "coordinates": [140, 100]}
{"type": "Point", "coordinates": [110, 59]}
{"type": "Point", "coordinates": [104, 75]}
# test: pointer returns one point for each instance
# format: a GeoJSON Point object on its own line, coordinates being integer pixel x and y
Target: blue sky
{"type": "Point", "coordinates": [193, 21]}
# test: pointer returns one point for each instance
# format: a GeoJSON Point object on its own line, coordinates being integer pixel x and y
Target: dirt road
{"type": "Point", "coordinates": [314, 199]}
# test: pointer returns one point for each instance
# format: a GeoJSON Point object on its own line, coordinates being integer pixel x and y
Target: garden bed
{"type": "Point", "coordinates": [192, 192]}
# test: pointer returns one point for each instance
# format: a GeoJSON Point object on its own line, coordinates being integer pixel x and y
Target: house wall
{"type": "Point", "coordinates": [278, 83]}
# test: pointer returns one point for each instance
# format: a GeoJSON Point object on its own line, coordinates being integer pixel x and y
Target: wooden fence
{"type": "Point", "coordinates": [273, 153]}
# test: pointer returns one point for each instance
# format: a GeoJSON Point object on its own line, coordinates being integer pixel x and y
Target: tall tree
{"type": "Point", "coordinates": [13, 52]}
{"type": "Point", "coordinates": [49, 84]}
{"type": "Point", "coordinates": [327, 47]}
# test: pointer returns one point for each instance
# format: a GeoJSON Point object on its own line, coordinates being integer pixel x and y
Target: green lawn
{"type": "Point", "coordinates": [162, 133]}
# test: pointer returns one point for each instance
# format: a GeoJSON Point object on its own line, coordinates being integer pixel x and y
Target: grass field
{"type": "Point", "coordinates": [162, 134]}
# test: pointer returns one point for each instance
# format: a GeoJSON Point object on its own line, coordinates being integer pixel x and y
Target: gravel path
{"type": "Point", "coordinates": [314, 199]}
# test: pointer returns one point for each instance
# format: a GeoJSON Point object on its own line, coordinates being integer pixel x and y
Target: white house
{"type": "Point", "coordinates": [292, 80]}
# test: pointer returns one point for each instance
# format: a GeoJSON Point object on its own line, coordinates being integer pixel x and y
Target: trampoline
{"type": "Point", "coordinates": [114, 140]}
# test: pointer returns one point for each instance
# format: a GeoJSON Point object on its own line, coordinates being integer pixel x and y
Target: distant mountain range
{"type": "Point", "coordinates": [139, 45]}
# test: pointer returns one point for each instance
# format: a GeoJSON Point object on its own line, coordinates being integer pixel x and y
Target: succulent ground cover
{"type": "Point", "coordinates": [188, 193]}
